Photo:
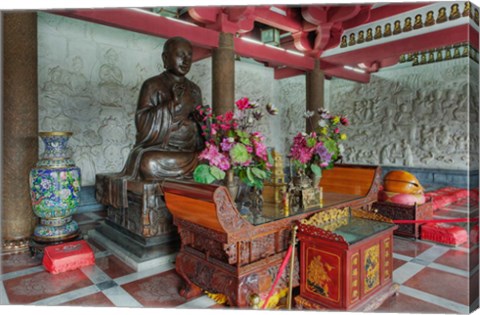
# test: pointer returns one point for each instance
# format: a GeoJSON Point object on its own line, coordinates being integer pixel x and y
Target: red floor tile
{"type": "Point", "coordinates": [474, 257]}
{"type": "Point", "coordinates": [440, 283]}
{"type": "Point", "coordinates": [473, 289]}
{"type": "Point", "coordinates": [97, 299]}
{"type": "Point", "coordinates": [41, 285]}
{"type": "Point", "coordinates": [454, 258]}
{"type": "Point", "coordinates": [113, 267]}
{"type": "Point", "coordinates": [397, 263]}
{"type": "Point", "coordinates": [409, 247]}
{"type": "Point", "coordinates": [18, 261]}
{"type": "Point", "coordinates": [402, 303]}
{"type": "Point", "coordinates": [161, 290]}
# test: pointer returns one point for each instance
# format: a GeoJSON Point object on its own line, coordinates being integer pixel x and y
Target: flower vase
{"type": "Point", "coordinates": [55, 190]}
{"type": "Point", "coordinates": [232, 184]}
{"type": "Point", "coordinates": [315, 180]}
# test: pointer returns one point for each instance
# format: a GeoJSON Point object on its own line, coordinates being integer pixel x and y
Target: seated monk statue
{"type": "Point", "coordinates": [168, 139]}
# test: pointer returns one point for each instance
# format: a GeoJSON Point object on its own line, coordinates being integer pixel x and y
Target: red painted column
{"type": "Point", "coordinates": [314, 87]}
{"type": "Point", "coordinates": [223, 75]}
{"type": "Point", "coordinates": [19, 127]}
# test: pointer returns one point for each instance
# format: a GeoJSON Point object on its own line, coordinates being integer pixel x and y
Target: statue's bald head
{"type": "Point", "coordinates": [173, 41]}
{"type": "Point", "coordinates": [177, 56]}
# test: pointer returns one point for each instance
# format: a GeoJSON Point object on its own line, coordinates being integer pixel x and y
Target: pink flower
{"type": "Point", "coordinates": [300, 151]}
{"type": "Point", "coordinates": [243, 103]}
{"type": "Point", "coordinates": [336, 130]}
{"type": "Point", "coordinates": [215, 158]}
{"type": "Point", "coordinates": [227, 144]}
{"type": "Point", "coordinates": [260, 150]}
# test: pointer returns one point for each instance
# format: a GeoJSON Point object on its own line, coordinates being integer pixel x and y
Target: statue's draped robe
{"type": "Point", "coordinates": [168, 140]}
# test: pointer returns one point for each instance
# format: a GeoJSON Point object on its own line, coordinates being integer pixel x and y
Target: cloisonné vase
{"type": "Point", "coordinates": [55, 190]}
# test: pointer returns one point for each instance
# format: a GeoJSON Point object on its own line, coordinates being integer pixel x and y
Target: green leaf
{"type": "Point", "coordinates": [239, 153]}
{"type": "Point", "coordinates": [242, 134]}
{"type": "Point", "coordinates": [311, 142]}
{"type": "Point", "coordinates": [316, 169]}
{"type": "Point", "coordinates": [258, 184]}
{"type": "Point", "coordinates": [259, 173]}
{"type": "Point", "coordinates": [270, 157]}
{"type": "Point", "coordinates": [250, 175]}
{"type": "Point", "coordinates": [203, 175]}
{"type": "Point", "coordinates": [217, 173]}
{"type": "Point", "coordinates": [245, 141]}
{"type": "Point", "coordinates": [331, 146]}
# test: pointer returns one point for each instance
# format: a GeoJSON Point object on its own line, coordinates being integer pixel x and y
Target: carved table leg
{"type": "Point", "coordinates": [190, 290]}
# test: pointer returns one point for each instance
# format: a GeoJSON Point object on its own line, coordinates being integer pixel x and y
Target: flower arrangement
{"type": "Point", "coordinates": [231, 145]}
{"type": "Point", "coordinates": [320, 149]}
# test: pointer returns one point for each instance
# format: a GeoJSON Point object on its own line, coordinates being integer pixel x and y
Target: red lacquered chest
{"type": "Point", "coordinates": [345, 260]}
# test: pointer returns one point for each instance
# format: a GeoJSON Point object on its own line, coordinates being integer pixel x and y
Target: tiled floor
{"type": "Point", "coordinates": [433, 278]}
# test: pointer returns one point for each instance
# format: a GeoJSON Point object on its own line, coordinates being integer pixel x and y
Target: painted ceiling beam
{"type": "Point", "coordinates": [268, 54]}
{"type": "Point", "coordinates": [285, 72]}
{"type": "Point", "coordinates": [385, 12]}
{"type": "Point", "coordinates": [292, 22]}
{"type": "Point", "coordinates": [339, 71]}
{"type": "Point", "coordinates": [473, 36]}
{"type": "Point", "coordinates": [233, 19]}
{"type": "Point", "coordinates": [143, 22]}
{"type": "Point", "coordinates": [392, 9]}
{"type": "Point", "coordinates": [394, 49]}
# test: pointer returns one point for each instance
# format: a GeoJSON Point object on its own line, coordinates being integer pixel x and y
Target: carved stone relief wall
{"type": "Point", "coordinates": [474, 117]}
{"type": "Point", "coordinates": [89, 79]}
{"type": "Point", "coordinates": [90, 76]}
{"type": "Point", "coordinates": [413, 116]}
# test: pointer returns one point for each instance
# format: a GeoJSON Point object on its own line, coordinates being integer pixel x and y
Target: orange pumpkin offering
{"type": "Point", "coordinates": [402, 182]}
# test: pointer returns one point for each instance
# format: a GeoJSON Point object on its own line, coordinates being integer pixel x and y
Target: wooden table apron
{"type": "Point", "coordinates": [221, 252]}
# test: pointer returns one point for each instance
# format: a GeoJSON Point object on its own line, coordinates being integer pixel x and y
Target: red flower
{"type": "Point", "coordinates": [243, 103]}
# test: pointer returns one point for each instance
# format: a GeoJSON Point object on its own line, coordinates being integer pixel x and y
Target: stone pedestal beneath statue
{"type": "Point", "coordinates": [138, 224]}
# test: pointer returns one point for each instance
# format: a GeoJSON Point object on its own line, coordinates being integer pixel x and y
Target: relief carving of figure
{"type": "Point", "coordinates": [111, 87]}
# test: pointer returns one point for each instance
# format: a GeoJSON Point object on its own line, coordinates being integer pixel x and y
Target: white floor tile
{"type": "Point", "coordinates": [119, 297]}
{"type": "Point", "coordinates": [405, 272]}
{"type": "Point", "coordinates": [430, 298]}
{"type": "Point", "coordinates": [3, 295]}
{"type": "Point", "coordinates": [68, 296]}
{"type": "Point", "coordinates": [198, 303]}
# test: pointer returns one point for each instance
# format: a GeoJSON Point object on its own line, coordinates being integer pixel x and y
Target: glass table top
{"type": "Point", "coordinates": [354, 229]}
{"type": "Point", "coordinates": [272, 212]}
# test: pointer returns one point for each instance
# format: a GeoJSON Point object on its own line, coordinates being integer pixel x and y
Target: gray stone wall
{"type": "Point", "coordinates": [90, 76]}
{"type": "Point", "coordinates": [410, 116]}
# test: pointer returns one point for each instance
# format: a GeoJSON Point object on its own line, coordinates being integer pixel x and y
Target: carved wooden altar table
{"type": "Point", "coordinates": [225, 252]}
{"type": "Point", "coordinates": [346, 260]}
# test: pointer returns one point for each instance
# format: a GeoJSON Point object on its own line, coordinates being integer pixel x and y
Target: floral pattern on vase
{"type": "Point", "coordinates": [55, 185]}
